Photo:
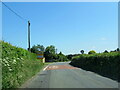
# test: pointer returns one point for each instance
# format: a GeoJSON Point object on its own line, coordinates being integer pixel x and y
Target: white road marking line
{"type": "Point", "coordinates": [50, 67]}
{"type": "Point", "coordinates": [45, 68]}
{"type": "Point", "coordinates": [54, 66]}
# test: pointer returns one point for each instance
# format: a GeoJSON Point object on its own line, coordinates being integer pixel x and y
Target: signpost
{"type": "Point", "coordinates": [40, 56]}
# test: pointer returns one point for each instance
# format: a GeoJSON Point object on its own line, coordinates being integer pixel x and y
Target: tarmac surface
{"type": "Point", "coordinates": [63, 75]}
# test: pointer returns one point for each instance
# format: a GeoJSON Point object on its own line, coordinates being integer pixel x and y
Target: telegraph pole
{"type": "Point", "coordinates": [56, 51]}
{"type": "Point", "coordinates": [28, 35]}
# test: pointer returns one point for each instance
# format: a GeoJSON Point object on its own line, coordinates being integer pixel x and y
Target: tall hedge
{"type": "Point", "coordinates": [106, 64]}
{"type": "Point", "coordinates": [18, 65]}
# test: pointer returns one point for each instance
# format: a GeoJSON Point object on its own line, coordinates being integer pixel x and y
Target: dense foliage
{"type": "Point", "coordinates": [50, 53]}
{"type": "Point", "coordinates": [106, 64]}
{"type": "Point", "coordinates": [18, 65]}
{"type": "Point", "coordinates": [61, 57]}
{"type": "Point", "coordinates": [82, 51]}
{"type": "Point", "coordinates": [36, 48]}
{"type": "Point", "coordinates": [91, 52]}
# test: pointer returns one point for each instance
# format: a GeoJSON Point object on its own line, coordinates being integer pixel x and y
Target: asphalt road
{"type": "Point", "coordinates": [62, 75]}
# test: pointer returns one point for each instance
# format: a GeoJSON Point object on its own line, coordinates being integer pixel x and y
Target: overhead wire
{"type": "Point", "coordinates": [18, 15]}
{"type": "Point", "coordinates": [14, 12]}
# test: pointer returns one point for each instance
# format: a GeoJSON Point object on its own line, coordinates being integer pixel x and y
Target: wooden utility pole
{"type": "Point", "coordinates": [28, 35]}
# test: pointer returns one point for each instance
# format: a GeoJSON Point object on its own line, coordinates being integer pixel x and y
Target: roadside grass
{"type": "Point", "coordinates": [47, 63]}
{"type": "Point", "coordinates": [18, 65]}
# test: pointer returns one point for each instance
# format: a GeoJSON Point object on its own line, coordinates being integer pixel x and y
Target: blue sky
{"type": "Point", "coordinates": [69, 26]}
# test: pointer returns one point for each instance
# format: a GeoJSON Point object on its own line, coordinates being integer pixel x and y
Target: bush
{"type": "Point", "coordinates": [91, 52]}
{"type": "Point", "coordinates": [106, 64]}
{"type": "Point", "coordinates": [18, 65]}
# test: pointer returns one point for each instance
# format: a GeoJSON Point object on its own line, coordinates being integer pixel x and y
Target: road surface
{"type": "Point", "coordinates": [63, 75]}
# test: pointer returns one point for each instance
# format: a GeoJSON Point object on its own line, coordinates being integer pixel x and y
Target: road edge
{"type": "Point", "coordinates": [27, 82]}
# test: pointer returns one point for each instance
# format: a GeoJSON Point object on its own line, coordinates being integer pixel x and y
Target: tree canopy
{"type": "Point", "coordinates": [82, 51]}
{"type": "Point", "coordinates": [37, 48]}
{"type": "Point", "coordinates": [91, 52]}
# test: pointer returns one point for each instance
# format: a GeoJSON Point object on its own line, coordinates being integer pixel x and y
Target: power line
{"type": "Point", "coordinates": [22, 19]}
{"type": "Point", "coordinates": [14, 12]}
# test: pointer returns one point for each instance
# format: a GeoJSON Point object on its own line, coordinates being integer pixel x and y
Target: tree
{"type": "Point", "coordinates": [91, 52]}
{"type": "Point", "coordinates": [82, 51]}
{"type": "Point", "coordinates": [62, 57]}
{"type": "Point", "coordinates": [70, 56]}
{"type": "Point", "coordinates": [34, 49]}
{"type": "Point", "coordinates": [118, 49]}
{"type": "Point", "coordinates": [106, 51]}
{"type": "Point", "coordinates": [50, 49]}
{"type": "Point", "coordinates": [50, 53]}
{"type": "Point", "coordinates": [37, 48]}
{"type": "Point", "coordinates": [60, 53]}
{"type": "Point", "coordinates": [40, 48]}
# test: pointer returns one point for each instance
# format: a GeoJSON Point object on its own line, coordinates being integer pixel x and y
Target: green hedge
{"type": "Point", "coordinates": [106, 64]}
{"type": "Point", "coordinates": [18, 65]}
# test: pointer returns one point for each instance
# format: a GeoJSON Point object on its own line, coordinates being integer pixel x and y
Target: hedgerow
{"type": "Point", "coordinates": [18, 65]}
{"type": "Point", "coordinates": [106, 64]}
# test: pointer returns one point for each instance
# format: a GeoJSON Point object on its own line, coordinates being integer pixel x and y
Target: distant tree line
{"type": "Point", "coordinates": [50, 53]}
{"type": "Point", "coordinates": [90, 52]}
